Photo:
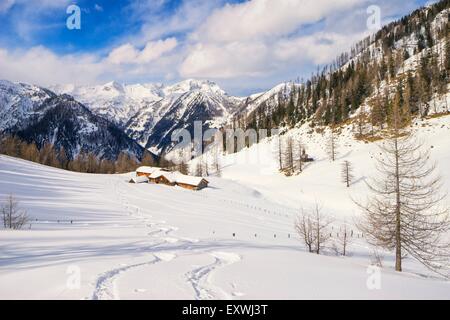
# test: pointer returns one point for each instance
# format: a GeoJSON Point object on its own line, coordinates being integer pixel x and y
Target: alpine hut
{"type": "Point", "coordinates": [191, 183]}
{"type": "Point", "coordinates": [139, 179]}
{"type": "Point", "coordinates": [146, 171]}
{"type": "Point", "coordinates": [163, 177]}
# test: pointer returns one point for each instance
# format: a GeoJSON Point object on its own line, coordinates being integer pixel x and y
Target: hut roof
{"type": "Point", "coordinates": [178, 177]}
{"type": "Point", "coordinates": [193, 181]}
{"type": "Point", "coordinates": [170, 176]}
{"type": "Point", "coordinates": [139, 179]}
{"type": "Point", "coordinates": [148, 170]}
{"type": "Point", "coordinates": [157, 174]}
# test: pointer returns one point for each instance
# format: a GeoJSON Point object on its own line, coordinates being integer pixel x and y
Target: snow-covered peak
{"type": "Point", "coordinates": [114, 87]}
{"type": "Point", "coordinates": [270, 97]}
{"type": "Point", "coordinates": [204, 86]}
{"type": "Point", "coordinates": [150, 91]}
{"type": "Point", "coordinates": [146, 91]}
{"type": "Point", "coordinates": [18, 101]}
{"type": "Point", "coordinates": [120, 102]}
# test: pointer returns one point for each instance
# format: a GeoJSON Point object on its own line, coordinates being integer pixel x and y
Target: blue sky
{"type": "Point", "coordinates": [245, 46]}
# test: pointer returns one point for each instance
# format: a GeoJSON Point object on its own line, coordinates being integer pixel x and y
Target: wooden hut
{"type": "Point", "coordinates": [162, 177]}
{"type": "Point", "coordinates": [139, 179]}
{"type": "Point", "coordinates": [191, 183]}
{"type": "Point", "coordinates": [145, 171]}
{"type": "Point", "coordinates": [176, 178]}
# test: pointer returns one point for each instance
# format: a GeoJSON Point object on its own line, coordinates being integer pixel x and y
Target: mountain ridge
{"type": "Point", "coordinates": [38, 115]}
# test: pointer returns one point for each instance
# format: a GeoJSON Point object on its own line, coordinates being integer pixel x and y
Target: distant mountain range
{"type": "Point", "coordinates": [110, 118]}
{"type": "Point", "coordinates": [39, 115]}
{"type": "Point", "coordinates": [149, 113]}
{"type": "Point", "coordinates": [92, 118]}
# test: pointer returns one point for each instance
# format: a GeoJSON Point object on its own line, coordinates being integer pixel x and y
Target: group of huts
{"type": "Point", "coordinates": [171, 178]}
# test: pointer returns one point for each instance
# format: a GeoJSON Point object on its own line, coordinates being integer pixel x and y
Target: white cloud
{"type": "Point", "coordinates": [39, 65]}
{"type": "Point", "coordinates": [320, 48]}
{"type": "Point", "coordinates": [265, 18]}
{"type": "Point", "coordinates": [155, 49]}
{"type": "Point", "coordinates": [227, 60]}
{"type": "Point", "coordinates": [128, 54]}
{"type": "Point", "coordinates": [156, 24]}
{"type": "Point", "coordinates": [261, 37]}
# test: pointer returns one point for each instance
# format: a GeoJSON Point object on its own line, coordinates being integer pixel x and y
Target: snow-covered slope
{"type": "Point", "coordinates": [39, 115]}
{"type": "Point", "coordinates": [321, 181]}
{"type": "Point", "coordinates": [19, 102]}
{"type": "Point", "coordinates": [234, 240]}
{"type": "Point", "coordinates": [270, 99]}
{"type": "Point", "coordinates": [149, 113]}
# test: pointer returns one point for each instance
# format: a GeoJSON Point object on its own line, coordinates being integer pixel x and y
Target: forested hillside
{"type": "Point", "coordinates": [407, 62]}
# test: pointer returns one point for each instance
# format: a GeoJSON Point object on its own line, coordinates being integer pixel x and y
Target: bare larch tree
{"type": "Point", "coordinates": [332, 145]}
{"type": "Point", "coordinates": [347, 173]}
{"type": "Point", "coordinates": [13, 216]}
{"type": "Point", "coordinates": [406, 212]}
{"type": "Point", "coordinates": [313, 228]}
{"type": "Point", "coordinates": [216, 151]}
{"type": "Point", "coordinates": [344, 239]}
{"type": "Point", "coordinates": [288, 155]}
{"type": "Point", "coordinates": [301, 156]}
{"type": "Point", "coordinates": [305, 229]}
{"type": "Point", "coordinates": [280, 154]}
{"type": "Point", "coordinates": [198, 172]}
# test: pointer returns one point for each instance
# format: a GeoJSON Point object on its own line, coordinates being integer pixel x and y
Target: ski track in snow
{"type": "Point", "coordinates": [200, 278]}
{"type": "Point", "coordinates": [106, 284]}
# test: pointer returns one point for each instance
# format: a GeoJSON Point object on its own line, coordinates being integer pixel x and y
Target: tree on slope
{"type": "Point", "coordinates": [313, 228]}
{"type": "Point", "coordinates": [332, 145]}
{"type": "Point", "coordinates": [280, 154]}
{"type": "Point", "coordinates": [301, 156]}
{"type": "Point", "coordinates": [216, 161]}
{"type": "Point", "coordinates": [343, 239]}
{"type": "Point", "coordinates": [147, 160]}
{"type": "Point", "coordinates": [288, 155]}
{"type": "Point", "coordinates": [181, 162]}
{"type": "Point", "coordinates": [347, 173]}
{"type": "Point", "coordinates": [198, 170]}
{"type": "Point", "coordinates": [406, 211]}
{"type": "Point", "coordinates": [12, 215]}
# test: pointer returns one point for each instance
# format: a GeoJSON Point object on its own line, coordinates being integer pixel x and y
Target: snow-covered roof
{"type": "Point", "coordinates": [177, 177]}
{"type": "Point", "coordinates": [139, 179]}
{"type": "Point", "coordinates": [170, 176]}
{"type": "Point", "coordinates": [156, 174]}
{"type": "Point", "coordinates": [190, 180]}
{"type": "Point", "coordinates": [145, 169]}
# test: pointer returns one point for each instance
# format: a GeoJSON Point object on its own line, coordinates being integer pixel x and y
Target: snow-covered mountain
{"type": "Point", "coordinates": [149, 113]}
{"type": "Point", "coordinates": [39, 115]}
{"type": "Point", "coordinates": [114, 101]}
{"type": "Point", "coordinates": [270, 99]}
